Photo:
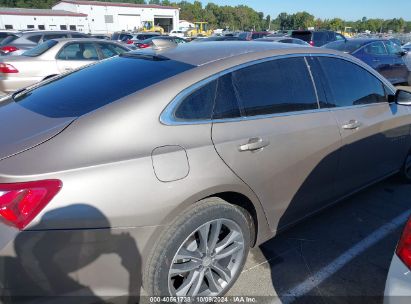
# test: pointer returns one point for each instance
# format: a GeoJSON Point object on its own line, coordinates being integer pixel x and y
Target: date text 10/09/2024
{"type": "Point", "coordinates": [233, 299]}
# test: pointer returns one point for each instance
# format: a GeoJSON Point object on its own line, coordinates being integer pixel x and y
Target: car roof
{"type": "Point", "coordinates": [199, 54]}
{"type": "Point", "coordinates": [91, 39]}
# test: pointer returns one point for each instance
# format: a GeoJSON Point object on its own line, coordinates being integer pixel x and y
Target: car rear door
{"type": "Point", "coordinates": [75, 55]}
{"type": "Point", "coordinates": [375, 134]}
{"type": "Point", "coordinates": [280, 143]}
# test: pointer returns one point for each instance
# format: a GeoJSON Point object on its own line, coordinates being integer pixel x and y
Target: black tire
{"type": "Point", "coordinates": [155, 276]}
{"type": "Point", "coordinates": [406, 170]}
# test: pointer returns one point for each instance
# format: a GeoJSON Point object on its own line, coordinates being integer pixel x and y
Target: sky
{"type": "Point", "coordinates": [346, 9]}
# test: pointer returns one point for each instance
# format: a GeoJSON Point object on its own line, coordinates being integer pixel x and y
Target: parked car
{"type": "Point", "coordinates": [99, 36]}
{"type": "Point", "coordinates": [398, 285]}
{"type": "Point", "coordinates": [138, 38]}
{"type": "Point", "coordinates": [119, 36]}
{"type": "Point", "coordinates": [383, 55]}
{"type": "Point", "coordinates": [51, 58]}
{"type": "Point", "coordinates": [252, 35]}
{"type": "Point", "coordinates": [218, 38]}
{"type": "Point", "coordinates": [317, 38]}
{"type": "Point", "coordinates": [181, 160]}
{"type": "Point", "coordinates": [284, 40]}
{"type": "Point", "coordinates": [17, 43]}
{"type": "Point", "coordinates": [149, 42]}
{"type": "Point", "coordinates": [177, 33]}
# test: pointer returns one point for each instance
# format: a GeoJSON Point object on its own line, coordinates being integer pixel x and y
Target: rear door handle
{"type": "Point", "coordinates": [254, 144]}
{"type": "Point", "coordinates": [352, 125]}
{"type": "Point", "coordinates": [68, 69]}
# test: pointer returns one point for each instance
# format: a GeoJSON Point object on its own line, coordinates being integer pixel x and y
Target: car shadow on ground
{"type": "Point", "coordinates": [46, 263]}
{"type": "Point", "coordinates": [299, 254]}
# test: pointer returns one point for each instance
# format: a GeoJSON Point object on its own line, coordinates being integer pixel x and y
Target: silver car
{"type": "Point", "coordinates": [162, 168]}
{"type": "Point", "coordinates": [52, 58]}
{"type": "Point", "coordinates": [398, 285]}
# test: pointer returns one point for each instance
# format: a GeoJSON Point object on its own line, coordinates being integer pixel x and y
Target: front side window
{"type": "Point", "coordinates": [375, 48]}
{"type": "Point", "coordinates": [78, 51]}
{"type": "Point", "coordinates": [393, 49]}
{"type": "Point", "coordinates": [110, 50]}
{"type": "Point", "coordinates": [347, 84]}
{"type": "Point", "coordinates": [278, 86]}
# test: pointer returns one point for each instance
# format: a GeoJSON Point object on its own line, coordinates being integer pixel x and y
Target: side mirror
{"type": "Point", "coordinates": [402, 53]}
{"type": "Point", "coordinates": [401, 97]}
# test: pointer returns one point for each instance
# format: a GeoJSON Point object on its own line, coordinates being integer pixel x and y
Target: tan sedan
{"type": "Point", "coordinates": [51, 58]}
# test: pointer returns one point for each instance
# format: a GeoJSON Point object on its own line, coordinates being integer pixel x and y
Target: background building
{"type": "Point", "coordinates": [108, 17]}
{"type": "Point", "coordinates": [43, 19]}
{"type": "Point", "coordinates": [91, 17]}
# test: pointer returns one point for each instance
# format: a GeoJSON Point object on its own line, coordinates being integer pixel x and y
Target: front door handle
{"type": "Point", "coordinates": [352, 125]}
{"type": "Point", "coordinates": [254, 144]}
{"type": "Point", "coordinates": [67, 69]}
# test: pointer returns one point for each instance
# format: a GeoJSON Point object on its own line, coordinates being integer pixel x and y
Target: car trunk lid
{"type": "Point", "coordinates": [23, 129]}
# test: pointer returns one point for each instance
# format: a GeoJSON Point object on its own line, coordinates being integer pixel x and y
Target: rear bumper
{"type": "Point", "coordinates": [90, 265]}
{"type": "Point", "coordinates": [11, 84]}
{"type": "Point", "coordinates": [398, 285]}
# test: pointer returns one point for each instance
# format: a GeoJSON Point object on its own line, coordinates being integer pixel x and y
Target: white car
{"type": "Point", "coordinates": [177, 33]}
{"type": "Point", "coordinates": [398, 286]}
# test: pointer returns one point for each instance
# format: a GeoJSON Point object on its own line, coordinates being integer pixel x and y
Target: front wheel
{"type": "Point", "coordinates": [202, 253]}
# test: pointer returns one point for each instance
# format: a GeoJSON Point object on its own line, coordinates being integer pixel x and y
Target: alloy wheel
{"type": "Point", "coordinates": [208, 260]}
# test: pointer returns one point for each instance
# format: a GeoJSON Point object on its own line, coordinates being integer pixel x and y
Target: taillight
{"type": "Point", "coordinates": [21, 202]}
{"type": "Point", "coordinates": [311, 43]}
{"type": "Point", "coordinates": [404, 246]}
{"type": "Point", "coordinates": [144, 45]}
{"type": "Point", "coordinates": [129, 42]}
{"type": "Point", "coordinates": [7, 68]}
{"type": "Point", "coordinates": [8, 49]}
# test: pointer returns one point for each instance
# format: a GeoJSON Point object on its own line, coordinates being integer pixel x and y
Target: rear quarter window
{"type": "Point", "coordinates": [90, 88]}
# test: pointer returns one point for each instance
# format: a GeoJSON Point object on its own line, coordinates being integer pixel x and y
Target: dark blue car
{"type": "Point", "coordinates": [383, 55]}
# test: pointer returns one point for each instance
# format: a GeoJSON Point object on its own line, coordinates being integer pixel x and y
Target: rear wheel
{"type": "Point", "coordinates": [406, 170]}
{"type": "Point", "coordinates": [202, 253]}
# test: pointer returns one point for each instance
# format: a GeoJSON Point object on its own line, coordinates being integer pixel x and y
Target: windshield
{"type": "Point", "coordinates": [90, 88]}
{"type": "Point", "coordinates": [40, 49]}
{"type": "Point", "coordinates": [347, 46]}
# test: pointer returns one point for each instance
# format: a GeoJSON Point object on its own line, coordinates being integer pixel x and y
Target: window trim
{"type": "Point", "coordinates": [167, 115]}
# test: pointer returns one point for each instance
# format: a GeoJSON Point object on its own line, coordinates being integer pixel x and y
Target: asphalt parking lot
{"type": "Point", "coordinates": [341, 255]}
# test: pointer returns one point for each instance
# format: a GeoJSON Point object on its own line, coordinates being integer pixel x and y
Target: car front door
{"type": "Point", "coordinates": [281, 144]}
{"type": "Point", "coordinates": [375, 134]}
{"type": "Point", "coordinates": [75, 55]}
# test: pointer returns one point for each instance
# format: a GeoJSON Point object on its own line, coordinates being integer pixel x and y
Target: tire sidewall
{"type": "Point", "coordinates": [185, 229]}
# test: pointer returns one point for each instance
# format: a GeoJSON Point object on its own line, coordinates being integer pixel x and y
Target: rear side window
{"type": "Point", "coordinates": [40, 49]}
{"type": "Point", "coordinates": [226, 103]}
{"type": "Point", "coordinates": [347, 84]}
{"type": "Point", "coordinates": [34, 38]}
{"type": "Point", "coordinates": [90, 88]}
{"type": "Point", "coordinates": [277, 86]}
{"type": "Point", "coordinates": [198, 105]}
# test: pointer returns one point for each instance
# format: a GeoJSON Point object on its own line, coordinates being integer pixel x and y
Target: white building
{"type": "Point", "coordinates": [91, 17]}
{"type": "Point", "coordinates": [108, 17]}
{"type": "Point", "coordinates": [43, 19]}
